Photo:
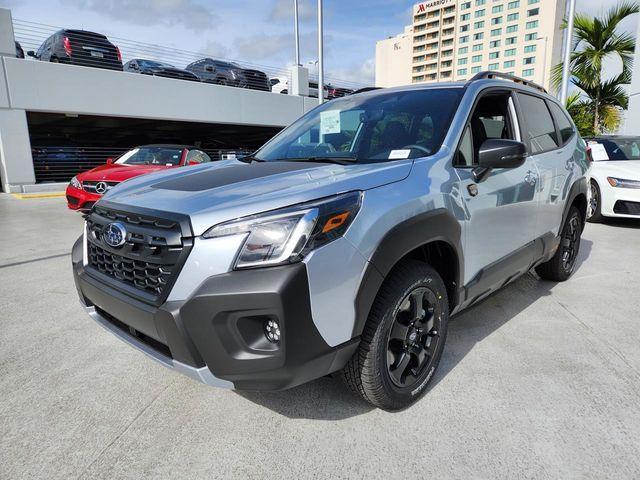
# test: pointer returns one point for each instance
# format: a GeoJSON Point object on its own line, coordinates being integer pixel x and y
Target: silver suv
{"type": "Point", "coordinates": [345, 243]}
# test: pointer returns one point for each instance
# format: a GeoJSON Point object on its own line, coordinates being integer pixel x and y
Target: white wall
{"type": "Point", "coordinates": [632, 117]}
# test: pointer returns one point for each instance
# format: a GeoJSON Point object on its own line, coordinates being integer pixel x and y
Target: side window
{"type": "Point", "coordinates": [564, 124]}
{"type": "Point", "coordinates": [197, 156]}
{"type": "Point", "coordinates": [490, 120]}
{"type": "Point", "coordinates": [540, 131]}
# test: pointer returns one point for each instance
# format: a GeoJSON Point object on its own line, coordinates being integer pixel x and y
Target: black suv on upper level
{"type": "Point", "coordinates": [79, 47]}
{"type": "Point", "coordinates": [228, 73]}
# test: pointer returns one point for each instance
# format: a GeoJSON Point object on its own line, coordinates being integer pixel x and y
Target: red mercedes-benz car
{"type": "Point", "coordinates": [87, 188]}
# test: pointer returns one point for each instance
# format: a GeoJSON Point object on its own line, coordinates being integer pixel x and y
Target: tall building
{"type": "Point", "coordinates": [455, 39]}
{"type": "Point", "coordinates": [393, 59]}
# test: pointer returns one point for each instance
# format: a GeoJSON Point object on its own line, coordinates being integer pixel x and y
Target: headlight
{"type": "Point", "coordinates": [75, 183]}
{"type": "Point", "coordinates": [287, 235]}
{"type": "Point", "coordinates": [623, 183]}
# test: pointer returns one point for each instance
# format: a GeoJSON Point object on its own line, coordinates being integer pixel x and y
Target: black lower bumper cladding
{"type": "Point", "coordinates": [221, 326]}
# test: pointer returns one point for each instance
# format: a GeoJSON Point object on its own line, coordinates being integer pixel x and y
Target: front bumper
{"type": "Point", "coordinates": [78, 199]}
{"type": "Point", "coordinates": [216, 335]}
{"type": "Point", "coordinates": [620, 202]}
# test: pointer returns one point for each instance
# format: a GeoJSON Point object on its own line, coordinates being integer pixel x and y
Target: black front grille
{"type": "Point", "coordinates": [148, 262]}
{"type": "Point", "coordinates": [624, 207]}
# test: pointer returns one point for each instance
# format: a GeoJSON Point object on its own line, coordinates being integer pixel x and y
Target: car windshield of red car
{"type": "Point", "coordinates": [151, 156]}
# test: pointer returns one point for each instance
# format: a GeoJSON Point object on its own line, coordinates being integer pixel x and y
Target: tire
{"type": "Point", "coordinates": [221, 81]}
{"type": "Point", "coordinates": [562, 264]}
{"type": "Point", "coordinates": [385, 370]}
{"type": "Point", "coordinates": [594, 212]}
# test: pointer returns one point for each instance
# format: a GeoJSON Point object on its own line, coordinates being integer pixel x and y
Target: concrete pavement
{"type": "Point", "coordinates": [541, 380]}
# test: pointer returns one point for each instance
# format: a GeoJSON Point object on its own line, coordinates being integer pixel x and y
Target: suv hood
{"type": "Point", "coordinates": [218, 192]}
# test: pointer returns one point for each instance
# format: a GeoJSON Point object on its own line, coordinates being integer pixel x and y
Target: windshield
{"type": "Point", "coordinates": [151, 156]}
{"type": "Point", "coordinates": [153, 64]}
{"type": "Point", "coordinates": [615, 149]}
{"type": "Point", "coordinates": [368, 128]}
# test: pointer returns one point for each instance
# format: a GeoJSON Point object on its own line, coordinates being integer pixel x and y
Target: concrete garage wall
{"type": "Point", "coordinates": [51, 87]}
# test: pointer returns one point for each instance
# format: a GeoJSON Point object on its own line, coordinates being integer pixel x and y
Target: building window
{"type": "Point", "coordinates": [527, 72]}
{"type": "Point", "coordinates": [530, 36]}
{"type": "Point", "coordinates": [446, 43]}
{"type": "Point", "coordinates": [465, 17]}
{"type": "Point", "coordinates": [529, 48]}
{"type": "Point", "coordinates": [476, 58]}
{"type": "Point", "coordinates": [496, 21]}
{"type": "Point", "coordinates": [463, 50]}
{"type": "Point", "coordinates": [462, 61]}
{"type": "Point", "coordinates": [512, 17]}
{"type": "Point", "coordinates": [419, 38]}
{"type": "Point", "coordinates": [480, 2]}
{"type": "Point", "coordinates": [510, 40]}
{"type": "Point", "coordinates": [512, 5]}
{"type": "Point", "coordinates": [464, 39]}
{"type": "Point", "coordinates": [496, 32]}
{"type": "Point", "coordinates": [479, 13]}
{"type": "Point", "coordinates": [479, 24]}
{"type": "Point", "coordinates": [417, 18]}
{"type": "Point", "coordinates": [462, 71]}
{"type": "Point", "coordinates": [465, 6]}
{"type": "Point", "coordinates": [509, 64]}
{"type": "Point", "coordinates": [512, 28]}
{"type": "Point", "coordinates": [510, 53]}
{"type": "Point", "coordinates": [533, 12]}
{"type": "Point", "coordinates": [494, 55]}
{"type": "Point", "coordinates": [477, 47]}
{"type": "Point", "coordinates": [529, 60]}
{"type": "Point", "coordinates": [418, 59]}
{"type": "Point", "coordinates": [494, 66]}
{"type": "Point", "coordinates": [418, 49]}
{"type": "Point", "coordinates": [531, 2]}
{"type": "Point", "coordinates": [419, 78]}
{"type": "Point", "coordinates": [418, 69]}
{"type": "Point", "coordinates": [478, 36]}
{"type": "Point", "coordinates": [464, 28]}
{"type": "Point", "coordinates": [531, 25]}
{"type": "Point", "coordinates": [449, 10]}
{"type": "Point", "coordinates": [496, 9]}
{"type": "Point", "coordinates": [475, 69]}
{"type": "Point", "coordinates": [494, 44]}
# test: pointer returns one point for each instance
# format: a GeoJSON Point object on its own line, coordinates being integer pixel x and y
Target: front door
{"type": "Point", "coordinates": [501, 210]}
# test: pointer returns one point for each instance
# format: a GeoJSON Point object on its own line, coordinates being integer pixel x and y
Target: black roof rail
{"type": "Point", "coordinates": [506, 76]}
{"type": "Point", "coordinates": [365, 89]}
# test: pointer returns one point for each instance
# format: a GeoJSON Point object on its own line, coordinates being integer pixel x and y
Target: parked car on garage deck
{"type": "Point", "coordinates": [88, 187]}
{"type": "Point", "coordinates": [345, 243]}
{"type": "Point", "coordinates": [229, 73]}
{"type": "Point", "coordinates": [19, 51]}
{"type": "Point", "coordinates": [615, 177]}
{"type": "Point", "coordinates": [158, 69]}
{"type": "Point", "coordinates": [79, 47]}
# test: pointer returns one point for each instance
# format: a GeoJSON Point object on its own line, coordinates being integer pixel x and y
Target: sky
{"type": "Point", "coordinates": [258, 32]}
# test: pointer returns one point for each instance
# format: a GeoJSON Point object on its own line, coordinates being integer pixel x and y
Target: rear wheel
{"type": "Point", "coordinates": [594, 214]}
{"type": "Point", "coordinates": [403, 338]}
{"type": "Point", "coordinates": [562, 264]}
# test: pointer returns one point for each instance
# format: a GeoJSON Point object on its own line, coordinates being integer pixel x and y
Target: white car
{"type": "Point", "coordinates": [615, 177]}
{"type": "Point", "coordinates": [279, 85]}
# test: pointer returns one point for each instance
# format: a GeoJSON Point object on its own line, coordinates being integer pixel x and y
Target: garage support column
{"type": "Point", "coordinates": [299, 81]}
{"type": "Point", "coordinates": [7, 41]}
{"type": "Point", "coordinates": [16, 164]}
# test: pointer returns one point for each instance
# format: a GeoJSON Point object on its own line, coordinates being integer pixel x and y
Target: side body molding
{"type": "Point", "coordinates": [434, 225]}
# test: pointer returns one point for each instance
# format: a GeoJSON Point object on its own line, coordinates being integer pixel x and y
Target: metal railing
{"type": "Point", "coordinates": [79, 47]}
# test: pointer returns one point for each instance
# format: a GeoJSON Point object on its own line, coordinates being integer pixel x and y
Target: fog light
{"type": "Point", "coordinates": [272, 331]}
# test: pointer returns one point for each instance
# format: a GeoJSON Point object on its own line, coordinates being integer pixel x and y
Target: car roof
{"type": "Point", "coordinates": [82, 32]}
{"type": "Point", "coordinates": [168, 145]}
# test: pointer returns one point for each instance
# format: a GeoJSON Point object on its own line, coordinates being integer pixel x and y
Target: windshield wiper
{"type": "Point", "coordinates": [325, 159]}
{"type": "Point", "coordinates": [249, 159]}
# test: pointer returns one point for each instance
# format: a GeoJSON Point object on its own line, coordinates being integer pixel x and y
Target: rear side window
{"type": "Point", "coordinates": [540, 129]}
{"type": "Point", "coordinates": [564, 125]}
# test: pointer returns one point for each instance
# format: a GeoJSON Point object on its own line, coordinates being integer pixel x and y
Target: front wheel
{"type": "Point", "coordinates": [563, 262]}
{"type": "Point", "coordinates": [594, 213]}
{"type": "Point", "coordinates": [403, 338]}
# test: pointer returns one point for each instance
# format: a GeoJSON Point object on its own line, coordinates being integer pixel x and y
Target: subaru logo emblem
{"type": "Point", "coordinates": [114, 234]}
{"type": "Point", "coordinates": [101, 187]}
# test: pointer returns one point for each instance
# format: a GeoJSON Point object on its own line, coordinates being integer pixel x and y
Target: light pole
{"type": "Point", "coordinates": [320, 56]}
{"type": "Point", "coordinates": [566, 70]}
{"type": "Point", "coordinates": [295, 30]}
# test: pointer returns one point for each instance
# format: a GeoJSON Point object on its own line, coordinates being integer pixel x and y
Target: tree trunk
{"type": "Point", "coordinates": [596, 116]}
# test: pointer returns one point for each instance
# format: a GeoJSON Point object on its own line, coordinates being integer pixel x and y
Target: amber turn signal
{"type": "Point", "coordinates": [335, 222]}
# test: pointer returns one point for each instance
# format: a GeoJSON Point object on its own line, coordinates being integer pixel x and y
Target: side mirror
{"type": "Point", "coordinates": [499, 153]}
{"type": "Point", "coordinates": [31, 53]}
{"type": "Point", "coordinates": [109, 161]}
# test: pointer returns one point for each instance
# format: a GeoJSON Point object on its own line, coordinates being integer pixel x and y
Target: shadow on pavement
{"type": "Point", "coordinates": [622, 222]}
{"type": "Point", "coordinates": [329, 399]}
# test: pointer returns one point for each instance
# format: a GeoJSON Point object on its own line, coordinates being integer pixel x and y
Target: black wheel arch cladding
{"type": "Point", "coordinates": [436, 226]}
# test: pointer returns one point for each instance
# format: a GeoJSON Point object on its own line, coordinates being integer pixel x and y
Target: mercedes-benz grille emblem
{"type": "Point", "coordinates": [114, 234]}
{"type": "Point", "coordinates": [101, 187]}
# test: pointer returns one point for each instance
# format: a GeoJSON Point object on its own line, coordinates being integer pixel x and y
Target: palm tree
{"type": "Point", "coordinates": [597, 38]}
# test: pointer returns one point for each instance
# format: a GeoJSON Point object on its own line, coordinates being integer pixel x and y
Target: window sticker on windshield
{"type": "Point", "coordinates": [396, 154]}
{"type": "Point", "coordinates": [329, 122]}
{"type": "Point", "coordinates": [598, 152]}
